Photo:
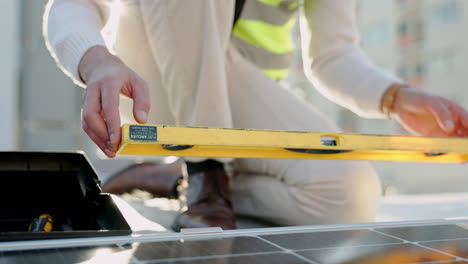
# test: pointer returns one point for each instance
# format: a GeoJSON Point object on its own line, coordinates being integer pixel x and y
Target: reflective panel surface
{"type": "Point", "coordinates": [327, 239]}
{"type": "Point", "coordinates": [423, 244]}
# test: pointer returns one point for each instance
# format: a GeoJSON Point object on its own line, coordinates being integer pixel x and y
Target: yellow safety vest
{"type": "Point", "coordinates": [262, 34]}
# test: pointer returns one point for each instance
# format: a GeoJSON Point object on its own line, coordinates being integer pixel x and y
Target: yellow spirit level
{"type": "Point", "coordinates": [162, 140]}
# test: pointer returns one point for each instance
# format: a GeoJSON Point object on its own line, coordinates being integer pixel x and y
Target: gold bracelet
{"type": "Point", "coordinates": [388, 99]}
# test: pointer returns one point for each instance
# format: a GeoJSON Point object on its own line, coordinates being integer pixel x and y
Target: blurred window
{"type": "Point", "coordinates": [446, 13]}
{"type": "Point", "coordinates": [403, 28]}
{"type": "Point", "coordinates": [410, 32]}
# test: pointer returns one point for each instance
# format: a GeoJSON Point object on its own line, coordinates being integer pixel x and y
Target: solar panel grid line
{"type": "Point", "coordinates": [227, 249]}
{"type": "Point", "coordinates": [412, 250]}
{"type": "Point", "coordinates": [349, 247]}
{"type": "Point", "coordinates": [215, 257]}
{"type": "Point", "coordinates": [202, 248]}
{"type": "Point", "coordinates": [419, 233]}
{"type": "Point", "coordinates": [447, 246]}
{"type": "Point", "coordinates": [289, 251]}
{"type": "Point", "coordinates": [448, 234]}
{"type": "Point", "coordinates": [417, 244]}
{"type": "Point", "coordinates": [448, 254]}
{"type": "Point", "coordinates": [440, 251]}
{"type": "Point", "coordinates": [433, 249]}
{"type": "Point", "coordinates": [447, 239]}
{"type": "Point", "coordinates": [325, 239]}
{"type": "Point", "coordinates": [396, 254]}
{"type": "Point", "coordinates": [385, 234]}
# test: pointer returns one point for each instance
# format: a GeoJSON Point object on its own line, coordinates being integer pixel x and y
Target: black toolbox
{"type": "Point", "coordinates": [63, 185]}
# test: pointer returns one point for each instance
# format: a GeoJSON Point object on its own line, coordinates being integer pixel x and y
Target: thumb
{"type": "Point", "coordinates": [442, 114]}
{"type": "Point", "coordinates": [141, 101]}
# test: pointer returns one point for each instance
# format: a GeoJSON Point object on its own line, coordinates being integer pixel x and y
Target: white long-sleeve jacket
{"type": "Point", "coordinates": [340, 70]}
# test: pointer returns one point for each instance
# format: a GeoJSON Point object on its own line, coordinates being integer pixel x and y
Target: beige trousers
{"type": "Point", "coordinates": [197, 77]}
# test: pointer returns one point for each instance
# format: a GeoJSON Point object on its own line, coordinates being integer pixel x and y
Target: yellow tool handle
{"type": "Point", "coordinates": [42, 223]}
{"type": "Point", "coordinates": [162, 140]}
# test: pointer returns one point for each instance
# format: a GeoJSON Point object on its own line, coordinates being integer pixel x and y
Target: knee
{"type": "Point", "coordinates": [348, 193]}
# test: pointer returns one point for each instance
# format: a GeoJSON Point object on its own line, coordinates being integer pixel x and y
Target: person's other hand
{"type": "Point", "coordinates": [429, 115]}
{"type": "Point", "coordinates": [106, 77]}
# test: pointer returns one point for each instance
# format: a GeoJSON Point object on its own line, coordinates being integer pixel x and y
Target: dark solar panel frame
{"type": "Point", "coordinates": [421, 242]}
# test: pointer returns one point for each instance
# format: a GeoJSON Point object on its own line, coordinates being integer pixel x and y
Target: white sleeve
{"type": "Point", "coordinates": [70, 28]}
{"type": "Point", "coordinates": [338, 68]}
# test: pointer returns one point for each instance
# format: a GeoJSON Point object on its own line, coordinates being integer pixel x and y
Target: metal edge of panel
{"type": "Point", "coordinates": [211, 234]}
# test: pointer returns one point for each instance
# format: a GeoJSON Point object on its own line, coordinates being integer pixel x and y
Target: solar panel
{"type": "Point", "coordinates": [326, 239]}
{"type": "Point", "coordinates": [382, 254]}
{"type": "Point", "coordinates": [379, 243]}
{"type": "Point", "coordinates": [202, 248]}
{"type": "Point", "coordinates": [425, 233]}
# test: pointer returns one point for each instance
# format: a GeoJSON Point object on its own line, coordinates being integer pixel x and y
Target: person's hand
{"type": "Point", "coordinates": [428, 115]}
{"type": "Point", "coordinates": [106, 77]}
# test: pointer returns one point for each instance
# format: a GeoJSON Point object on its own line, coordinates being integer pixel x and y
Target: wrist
{"type": "Point", "coordinates": [387, 104]}
{"type": "Point", "coordinates": [93, 58]}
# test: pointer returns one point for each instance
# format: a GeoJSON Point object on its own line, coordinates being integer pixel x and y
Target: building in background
{"type": "Point", "coordinates": [49, 104]}
{"type": "Point", "coordinates": [40, 107]}
{"type": "Point", "coordinates": [424, 43]}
